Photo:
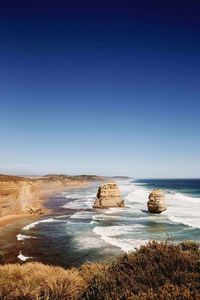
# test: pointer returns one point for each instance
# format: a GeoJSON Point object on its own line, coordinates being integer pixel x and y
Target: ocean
{"type": "Point", "coordinates": [83, 234]}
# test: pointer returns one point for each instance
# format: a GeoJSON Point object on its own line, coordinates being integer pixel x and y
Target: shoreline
{"type": "Point", "coordinates": [11, 225]}
{"type": "Point", "coordinates": [123, 231]}
{"type": "Point", "coordinates": [45, 194]}
{"type": "Point", "coordinates": [23, 195]}
{"type": "Point", "coordinates": [10, 219]}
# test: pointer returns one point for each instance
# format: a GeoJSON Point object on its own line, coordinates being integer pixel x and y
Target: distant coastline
{"type": "Point", "coordinates": [24, 196]}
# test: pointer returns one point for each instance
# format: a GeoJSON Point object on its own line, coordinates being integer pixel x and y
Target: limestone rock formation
{"type": "Point", "coordinates": [108, 195]}
{"type": "Point", "coordinates": [156, 203]}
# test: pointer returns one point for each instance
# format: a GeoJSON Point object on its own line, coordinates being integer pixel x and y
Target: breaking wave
{"type": "Point", "coordinates": [23, 257]}
{"type": "Point", "coordinates": [22, 237]}
{"type": "Point", "coordinates": [116, 236]}
{"type": "Point", "coordinates": [51, 220]}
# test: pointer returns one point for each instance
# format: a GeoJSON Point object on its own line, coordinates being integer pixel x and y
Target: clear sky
{"type": "Point", "coordinates": [102, 87]}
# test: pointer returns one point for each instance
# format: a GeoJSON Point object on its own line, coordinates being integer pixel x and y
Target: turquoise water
{"type": "Point", "coordinates": [86, 234]}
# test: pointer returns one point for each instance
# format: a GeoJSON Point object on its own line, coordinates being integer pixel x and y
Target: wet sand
{"type": "Point", "coordinates": [6, 220]}
{"type": "Point", "coordinates": [9, 229]}
{"type": "Point", "coordinates": [47, 194]}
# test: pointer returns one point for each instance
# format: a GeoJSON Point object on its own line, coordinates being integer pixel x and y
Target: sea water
{"type": "Point", "coordinates": [85, 234]}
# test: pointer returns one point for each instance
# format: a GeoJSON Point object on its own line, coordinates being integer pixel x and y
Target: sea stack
{"type": "Point", "coordinates": [156, 203]}
{"type": "Point", "coordinates": [108, 195]}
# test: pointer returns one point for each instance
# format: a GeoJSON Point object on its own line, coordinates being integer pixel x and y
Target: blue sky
{"type": "Point", "coordinates": [105, 88]}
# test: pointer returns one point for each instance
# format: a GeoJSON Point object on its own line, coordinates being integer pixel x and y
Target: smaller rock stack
{"type": "Point", "coordinates": [108, 195]}
{"type": "Point", "coordinates": [156, 203]}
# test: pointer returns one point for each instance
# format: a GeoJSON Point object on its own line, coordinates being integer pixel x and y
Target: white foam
{"type": "Point", "coordinates": [186, 221]}
{"type": "Point", "coordinates": [23, 257]}
{"type": "Point", "coordinates": [116, 229]}
{"type": "Point", "coordinates": [21, 237]}
{"type": "Point", "coordinates": [71, 196]}
{"type": "Point", "coordinates": [86, 242]}
{"type": "Point", "coordinates": [183, 209]}
{"type": "Point", "coordinates": [112, 210]}
{"type": "Point", "coordinates": [93, 222]}
{"type": "Point", "coordinates": [81, 202]}
{"type": "Point", "coordinates": [27, 227]}
{"type": "Point", "coordinates": [32, 225]}
{"type": "Point", "coordinates": [114, 235]}
{"type": "Point", "coordinates": [62, 216]}
{"type": "Point", "coordinates": [82, 215]}
{"type": "Point", "coordinates": [126, 245]}
{"type": "Point", "coordinates": [139, 195]}
{"type": "Point", "coordinates": [80, 196]}
{"type": "Point", "coordinates": [125, 186]}
{"type": "Point", "coordinates": [78, 204]}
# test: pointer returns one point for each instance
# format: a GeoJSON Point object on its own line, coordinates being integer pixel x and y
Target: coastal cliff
{"type": "Point", "coordinates": [25, 195]}
{"type": "Point", "coordinates": [15, 194]}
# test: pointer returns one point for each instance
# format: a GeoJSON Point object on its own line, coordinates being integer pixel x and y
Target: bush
{"type": "Point", "coordinates": [157, 271]}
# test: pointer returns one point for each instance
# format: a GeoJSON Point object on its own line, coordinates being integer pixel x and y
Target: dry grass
{"type": "Point", "coordinates": [157, 271]}
{"type": "Point", "coordinates": [90, 270]}
{"type": "Point", "coordinates": [38, 281]}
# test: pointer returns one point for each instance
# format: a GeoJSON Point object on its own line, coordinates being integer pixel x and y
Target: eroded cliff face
{"type": "Point", "coordinates": [25, 195]}
{"type": "Point", "coordinates": [8, 199]}
{"type": "Point", "coordinates": [17, 194]}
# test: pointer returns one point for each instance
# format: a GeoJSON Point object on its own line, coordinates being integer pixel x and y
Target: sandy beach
{"type": "Point", "coordinates": [12, 224]}
{"type": "Point", "coordinates": [27, 200]}
{"type": "Point", "coordinates": [22, 197]}
{"type": "Point", "coordinates": [6, 220]}
{"type": "Point", "coordinates": [9, 219]}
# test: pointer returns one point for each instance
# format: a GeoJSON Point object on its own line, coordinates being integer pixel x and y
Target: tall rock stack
{"type": "Point", "coordinates": [108, 195]}
{"type": "Point", "coordinates": [156, 203]}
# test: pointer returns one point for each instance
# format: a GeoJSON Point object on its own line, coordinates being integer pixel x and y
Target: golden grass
{"type": "Point", "coordinates": [38, 281]}
{"type": "Point", "coordinates": [157, 271]}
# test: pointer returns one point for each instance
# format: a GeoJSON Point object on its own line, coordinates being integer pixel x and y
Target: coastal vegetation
{"type": "Point", "coordinates": [154, 271]}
